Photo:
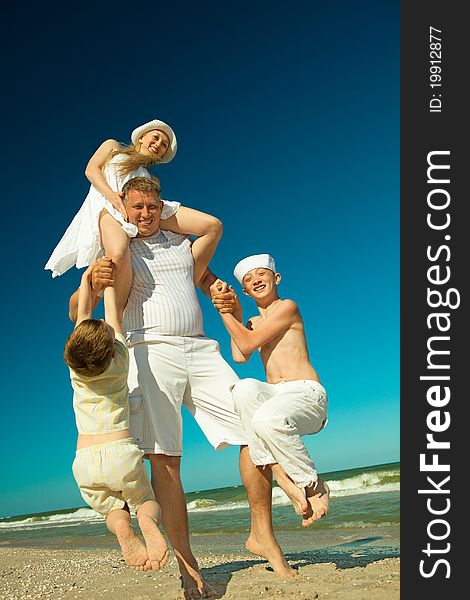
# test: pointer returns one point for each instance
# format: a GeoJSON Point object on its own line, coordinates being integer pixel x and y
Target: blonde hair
{"type": "Point", "coordinates": [142, 184]}
{"type": "Point", "coordinates": [134, 158]}
{"type": "Point", "coordinates": [89, 348]}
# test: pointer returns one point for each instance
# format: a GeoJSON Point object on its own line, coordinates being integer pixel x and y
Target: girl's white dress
{"type": "Point", "coordinates": [81, 244]}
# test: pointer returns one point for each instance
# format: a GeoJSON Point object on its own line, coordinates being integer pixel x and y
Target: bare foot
{"type": "Point", "coordinates": [273, 554]}
{"type": "Point", "coordinates": [157, 549]}
{"type": "Point", "coordinates": [194, 587]}
{"type": "Point", "coordinates": [133, 550]}
{"type": "Point", "coordinates": [296, 495]}
{"type": "Point", "coordinates": [319, 499]}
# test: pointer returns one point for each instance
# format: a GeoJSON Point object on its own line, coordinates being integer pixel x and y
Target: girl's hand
{"type": "Point", "coordinates": [116, 200]}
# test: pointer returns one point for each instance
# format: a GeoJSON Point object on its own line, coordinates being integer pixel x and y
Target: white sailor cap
{"type": "Point", "coordinates": [256, 261]}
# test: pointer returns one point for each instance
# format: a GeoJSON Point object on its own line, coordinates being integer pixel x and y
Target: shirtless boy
{"type": "Point", "coordinates": [292, 402]}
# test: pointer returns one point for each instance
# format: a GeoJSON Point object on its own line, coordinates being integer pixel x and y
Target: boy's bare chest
{"type": "Point", "coordinates": [280, 345]}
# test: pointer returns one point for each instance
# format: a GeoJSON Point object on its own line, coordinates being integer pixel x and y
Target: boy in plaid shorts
{"type": "Point", "coordinates": [108, 466]}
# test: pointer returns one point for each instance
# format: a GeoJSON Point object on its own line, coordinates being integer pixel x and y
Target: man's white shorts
{"type": "Point", "coordinates": [168, 371]}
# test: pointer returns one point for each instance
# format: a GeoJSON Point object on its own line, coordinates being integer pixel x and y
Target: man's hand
{"type": "Point", "coordinates": [225, 299]}
{"type": "Point", "coordinates": [218, 287]}
{"type": "Point", "coordinates": [102, 274]}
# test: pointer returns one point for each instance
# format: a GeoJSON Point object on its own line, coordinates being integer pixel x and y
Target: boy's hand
{"type": "Point", "coordinates": [227, 302]}
{"type": "Point", "coordinates": [102, 274]}
{"type": "Point", "coordinates": [218, 287]}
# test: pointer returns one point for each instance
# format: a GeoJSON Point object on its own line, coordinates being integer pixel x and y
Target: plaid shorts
{"type": "Point", "coordinates": [111, 475]}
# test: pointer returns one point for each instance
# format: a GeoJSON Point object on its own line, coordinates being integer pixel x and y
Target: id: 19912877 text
{"type": "Point", "coordinates": [435, 69]}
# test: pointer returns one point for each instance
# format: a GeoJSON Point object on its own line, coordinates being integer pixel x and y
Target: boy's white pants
{"type": "Point", "coordinates": [274, 416]}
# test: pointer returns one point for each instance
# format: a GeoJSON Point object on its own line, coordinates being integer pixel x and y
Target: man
{"type": "Point", "coordinates": [173, 363]}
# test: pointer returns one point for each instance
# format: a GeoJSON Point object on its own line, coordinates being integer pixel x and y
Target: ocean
{"type": "Point", "coordinates": [364, 518]}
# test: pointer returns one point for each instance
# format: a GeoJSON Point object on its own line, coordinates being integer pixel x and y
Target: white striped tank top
{"type": "Point", "coordinates": [163, 297]}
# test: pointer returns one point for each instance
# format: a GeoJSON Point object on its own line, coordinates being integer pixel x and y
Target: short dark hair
{"type": "Point", "coordinates": [89, 348]}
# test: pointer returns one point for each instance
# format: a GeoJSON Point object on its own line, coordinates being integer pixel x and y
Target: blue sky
{"type": "Point", "coordinates": [287, 119]}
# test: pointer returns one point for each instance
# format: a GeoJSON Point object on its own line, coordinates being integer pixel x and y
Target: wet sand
{"type": "Point", "coordinates": [28, 573]}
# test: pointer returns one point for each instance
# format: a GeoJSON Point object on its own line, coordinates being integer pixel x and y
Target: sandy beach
{"type": "Point", "coordinates": [351, 554]}
{"type": "Point", "coordinates": [102, 574]}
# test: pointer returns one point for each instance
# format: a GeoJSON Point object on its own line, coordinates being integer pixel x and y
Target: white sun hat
{"type": "Point", "coordinates": [256, 261]}
{"type": "Point", "coordinates": [157, 124]}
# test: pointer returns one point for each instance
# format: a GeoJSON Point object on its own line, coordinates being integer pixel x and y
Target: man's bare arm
{"type": "Point", "coordinates": [190, 222]}
{"type": "Point", "coordinates": [229, 298]}
{"type": "Point", "coordinates": [203, 249]}
{"type": "Point", "coordinates": [205, 282]}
